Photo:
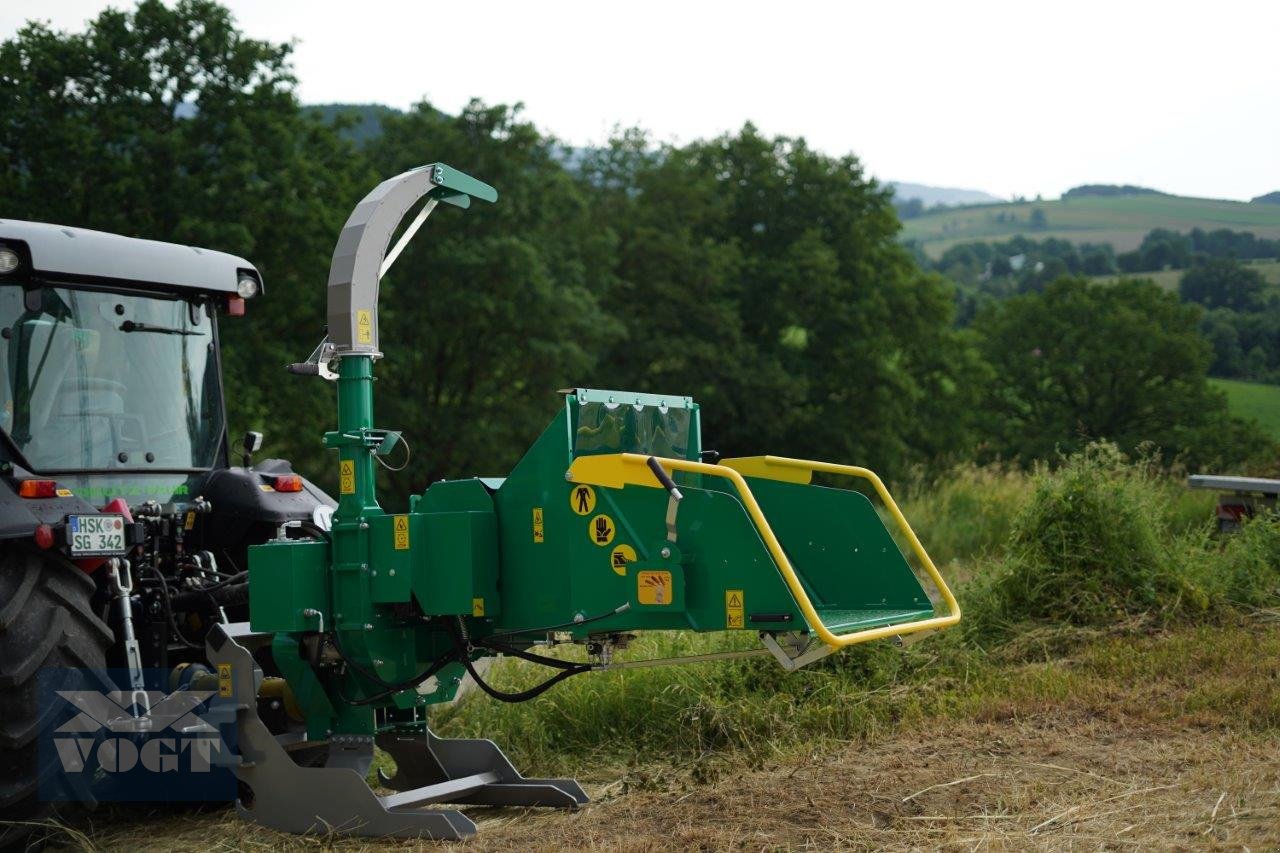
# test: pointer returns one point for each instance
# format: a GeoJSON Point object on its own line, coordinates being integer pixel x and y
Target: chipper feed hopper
{"type": "Point", "coordinates": [615, 521]}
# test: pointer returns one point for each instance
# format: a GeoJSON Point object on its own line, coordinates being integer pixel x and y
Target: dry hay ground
{"type": "Point", "coordinates": [1161, 742]}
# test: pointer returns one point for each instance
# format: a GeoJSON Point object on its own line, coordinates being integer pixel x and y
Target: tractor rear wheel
{"type": "Point", "coordinates": [46, 620]}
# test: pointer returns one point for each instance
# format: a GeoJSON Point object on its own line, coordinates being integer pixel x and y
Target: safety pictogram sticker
{"type": "Point", "coordinates": [582, 499]}
{"type": "Point", "coordinates": [601, 530]}
{"type": "Point", "coordinates": [538, 530]}
{"type": "Point", "coordinates": [364, 326]}
{"type": "Point", "coordinates": [620, 556]}
{"type": "Point", "coordinates": [224, 680]}
{"type": "Point", "coordinates": [653, 587]}
{"type": "Point", "coordinates": [347, 477]}
{"type": "Point", "coordinates": [734, 602]}
{"type": "Point", "coordinates": [400, 531]}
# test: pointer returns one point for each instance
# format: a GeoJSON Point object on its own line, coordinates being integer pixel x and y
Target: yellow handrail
{"type": "Point", "coordinates": [620, 469]}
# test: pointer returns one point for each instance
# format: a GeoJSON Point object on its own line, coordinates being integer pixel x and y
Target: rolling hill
{"type": "Point", "coordinates": [1120, 220]}
{"type": "Point", "coordinates": [930, 196]}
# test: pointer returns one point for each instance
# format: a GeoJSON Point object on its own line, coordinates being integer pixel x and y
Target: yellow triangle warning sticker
{"type": "Point", "coordinates": [733, 612]}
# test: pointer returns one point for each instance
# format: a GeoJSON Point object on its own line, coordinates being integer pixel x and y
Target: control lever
{"type": "Point", "coordinates": [664, 478]}
{"type": "Point", "coordinates": [673, 503]}
{"type": "Point", "coordinates": [317, 364]}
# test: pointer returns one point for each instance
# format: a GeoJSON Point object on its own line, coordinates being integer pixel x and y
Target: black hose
{"type": "Point", "coordinates": [566, 668]}
{"type": "Point", "coordinates": [168, 609]}
{"type": "Point", "coordinates": [390, 688]}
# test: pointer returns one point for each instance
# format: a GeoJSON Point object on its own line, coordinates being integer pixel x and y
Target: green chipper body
{"type": "Point", "coordinates": [615, 521]}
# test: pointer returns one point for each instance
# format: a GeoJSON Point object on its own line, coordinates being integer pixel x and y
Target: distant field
{"type": "Point", "coordinates": [1168, 279]}
{"type": "Point", "coordinates": [1254, 400]}
{"type": "Point", "coordinates": [1120, 220]}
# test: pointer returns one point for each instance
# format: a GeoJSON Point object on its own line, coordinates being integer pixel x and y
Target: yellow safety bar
{"type": "Point", "coordinates": [620, 469]}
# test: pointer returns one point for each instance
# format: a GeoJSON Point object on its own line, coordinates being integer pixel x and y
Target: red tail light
{"type": "Point", "coordinates": [235, 306]}
{"type": "Point", "coordinates": [44, 536]}
{"type": "Point", "coordinates": [288, 483]}
{"type": "Point", "coordinates": [38, 489]}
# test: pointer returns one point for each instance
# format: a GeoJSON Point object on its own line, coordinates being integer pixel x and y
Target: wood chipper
{"type": "Point", "coordinates": [616, 521]}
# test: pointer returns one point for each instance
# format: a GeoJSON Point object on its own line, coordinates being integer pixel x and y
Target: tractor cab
{"type": "Point", "coordinates": [111, 385]}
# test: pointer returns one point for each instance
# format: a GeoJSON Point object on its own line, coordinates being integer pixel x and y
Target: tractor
{"type": "Point", "coordinates": [124, 521]}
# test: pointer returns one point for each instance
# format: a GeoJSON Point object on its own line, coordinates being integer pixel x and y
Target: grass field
{"type": "Point", "coordinates": [1150, 722]}
{"type": "Point", "coordinates": [1168, 279]}
{"type": "Point", "coordinates": [1121, 221]}
{"type": "Point", "coordinates": [1254, 400]}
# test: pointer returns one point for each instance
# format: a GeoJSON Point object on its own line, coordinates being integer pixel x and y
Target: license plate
{"type": "Point", "coordinates": [95, 535]}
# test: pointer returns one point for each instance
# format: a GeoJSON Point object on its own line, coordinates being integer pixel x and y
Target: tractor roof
{"type": "Point", "coordinates": [81, 252]}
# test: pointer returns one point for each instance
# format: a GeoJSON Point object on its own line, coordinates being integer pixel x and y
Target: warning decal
{"type": "Point", "coordinates": [619, 558]}
{"type": "Point", "coordinates": [224, 680]}
{"type": "Point", "coordinates": [653, 587]}
{"type": "Point", "coordinates": [601, 530]}
{"type": "Point", "coordinates": [477, 607]}
{"type": "Point", "coordinates": [400, 532]}
{"type": "Point", "coordinates": [364, 327]}
{"type": "Point", "coordinates": [537, 524]}
{"type": "Point", "coordinates": [582, 499]}
{"type": "Point", "coordinates": [733, 608]}
{"type": "Point", "coordinates": [347, 477]}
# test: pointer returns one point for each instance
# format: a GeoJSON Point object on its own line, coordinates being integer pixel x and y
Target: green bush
{"type": "Point", "coordinates": [1244, 571]}
{"type": "Point", "coordinates": [1092, 546]}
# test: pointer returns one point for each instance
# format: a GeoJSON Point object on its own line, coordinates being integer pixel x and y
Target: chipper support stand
{"type": "Point", "coordinates": [614, 522]}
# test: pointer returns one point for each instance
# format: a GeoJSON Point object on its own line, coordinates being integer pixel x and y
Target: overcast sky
{"type": "Point", "coordinates": [1020, 97]}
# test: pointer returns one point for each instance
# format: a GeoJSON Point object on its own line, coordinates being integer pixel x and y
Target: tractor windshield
{"type": "Point", "coordinates": [94, 380]}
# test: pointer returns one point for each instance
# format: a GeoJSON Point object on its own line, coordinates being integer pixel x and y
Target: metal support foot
{"type": "Point", "coordinates": [335, 798]}
{"type": "Point", "coordinates": [432, 760]}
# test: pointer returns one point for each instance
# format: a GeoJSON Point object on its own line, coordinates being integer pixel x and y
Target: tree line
{"type": "Point", "coordinates": [762, 277]}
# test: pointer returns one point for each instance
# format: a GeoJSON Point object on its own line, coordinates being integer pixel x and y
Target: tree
{"type": "Point", "coordinates": [1123, 362]}
{"type": "Point", "coordinates": [1224, 283]}
{"type": "Point", "coordinates": [491, 310]}
{"type": "Point", "coordinates": [765, 279]}
{"type": "Point", "coordinates": [168, 123]}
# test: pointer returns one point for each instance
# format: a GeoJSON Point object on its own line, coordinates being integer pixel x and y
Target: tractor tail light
{"type": "Point", "coordinates": [235, 306]}
{"type": "Point", "coordinates": [288, 483]}
{"type": "Point", "coordinates": [44, 536]}
{"type": "Point", "coordinates": [38, 489]}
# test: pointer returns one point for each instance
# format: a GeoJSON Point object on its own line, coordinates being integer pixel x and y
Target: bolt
{"type": "Point", "coordinates": [392, 572]}
{"type": "Point", "coordinates": [666, 553]}
{"type": "Point", "coordinates": [364, 525]}
{"type": "Point", "coordinates": [364, 566]}
{"type": "Point", "coordinates": [374, 573]}
{"type": "Point", "coordinates": [368, 626]}
{"type": "Point", "coordinates": [568, 475]}
{"type": "Point", "coordinates": [378, 661]}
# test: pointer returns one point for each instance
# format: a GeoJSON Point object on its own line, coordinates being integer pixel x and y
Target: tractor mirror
{"type": "Point", "coordinates": [250, 444]}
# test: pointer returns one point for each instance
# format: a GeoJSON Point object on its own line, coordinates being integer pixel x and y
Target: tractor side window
{"type": "Point", "coordinates": [96, 380]}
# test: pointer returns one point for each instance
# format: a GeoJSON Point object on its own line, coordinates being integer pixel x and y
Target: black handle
{"type": "Point", "coordinates": [665, 479]}
{"type": "Point", "coordinates": [303, 368]}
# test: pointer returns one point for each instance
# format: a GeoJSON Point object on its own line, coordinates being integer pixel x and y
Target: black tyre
{"type": "Point", "coordinates": [45, 621]}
